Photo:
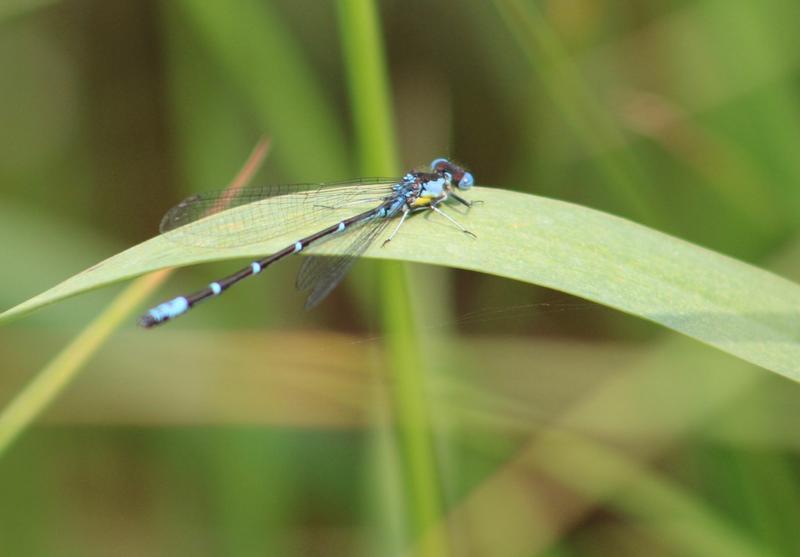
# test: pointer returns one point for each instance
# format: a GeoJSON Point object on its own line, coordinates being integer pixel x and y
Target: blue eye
{"type": "Point", "coordinates": [437, 162]}
{"type": "Point", "coordinates": [466, 182]}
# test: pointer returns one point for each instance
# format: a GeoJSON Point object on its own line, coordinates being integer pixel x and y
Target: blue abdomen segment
{"type": "Point", "coordinates": [163, 312]}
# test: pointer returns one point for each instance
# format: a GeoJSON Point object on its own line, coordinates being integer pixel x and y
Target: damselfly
{"type": "Point", "coordinates": [331, 210]}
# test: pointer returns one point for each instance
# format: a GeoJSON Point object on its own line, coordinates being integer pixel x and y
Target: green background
{"type": "Point", "coordinates": [533, 423]}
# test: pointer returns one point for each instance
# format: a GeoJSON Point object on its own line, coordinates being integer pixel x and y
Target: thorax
{"type": "Point", "coordinates": [420, 189]}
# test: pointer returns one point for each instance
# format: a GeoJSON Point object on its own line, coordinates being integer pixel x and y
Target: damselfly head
{"type": "Point", "coordinates": [454, 173]}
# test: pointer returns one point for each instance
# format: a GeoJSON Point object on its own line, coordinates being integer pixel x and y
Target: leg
{"type": "Point", "coordinates": [463, 201]}
{"type": "Point", "coordinates": [451, 219]}
{"type": "Point", "coordinates": [396, 228]}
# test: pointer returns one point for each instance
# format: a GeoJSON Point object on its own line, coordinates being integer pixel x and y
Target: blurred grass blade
{"type": "Point", "coordinates": [659, 506]}
{"type": "Point", "coordinates": [266, 63]}
{"type": "Point", "coordinates": [33, 400]}
{"type": "Point", "coordinates": [524, 524]}
{"type": "Point", "coordinates": [369, 87]}
{"type": "Point", "coordinates": [13, 8]}
{"type": "Point", "coordinates": [569, 92]}
{"type": "Point", "coordinates": [738, 308]}
{"type": "Point", "coordinates": [49, 382]}
{"type": "Point", "coordinates": [365, 62]}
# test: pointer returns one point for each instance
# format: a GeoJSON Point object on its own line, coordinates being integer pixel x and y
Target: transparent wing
{"type": "Point", "coordinates": [259, 213]}
{"type": "Point", "coordinates": [321, 274]}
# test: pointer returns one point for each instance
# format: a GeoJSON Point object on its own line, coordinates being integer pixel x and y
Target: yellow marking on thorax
{"type": "Point", "coordinates": [424, 200]}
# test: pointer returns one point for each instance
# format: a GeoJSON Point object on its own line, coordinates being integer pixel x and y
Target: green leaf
{"type": "Point", "coordinates": [742, 310]}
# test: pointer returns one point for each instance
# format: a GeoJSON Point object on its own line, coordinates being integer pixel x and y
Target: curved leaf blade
{"type": "Point", "coordinates": [738, 308]}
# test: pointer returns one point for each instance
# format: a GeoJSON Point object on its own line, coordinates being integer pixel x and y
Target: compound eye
{"type": "Point", "coordinates": [466, 181]}
{"type": "Point", "coordinates": [439, 162]}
